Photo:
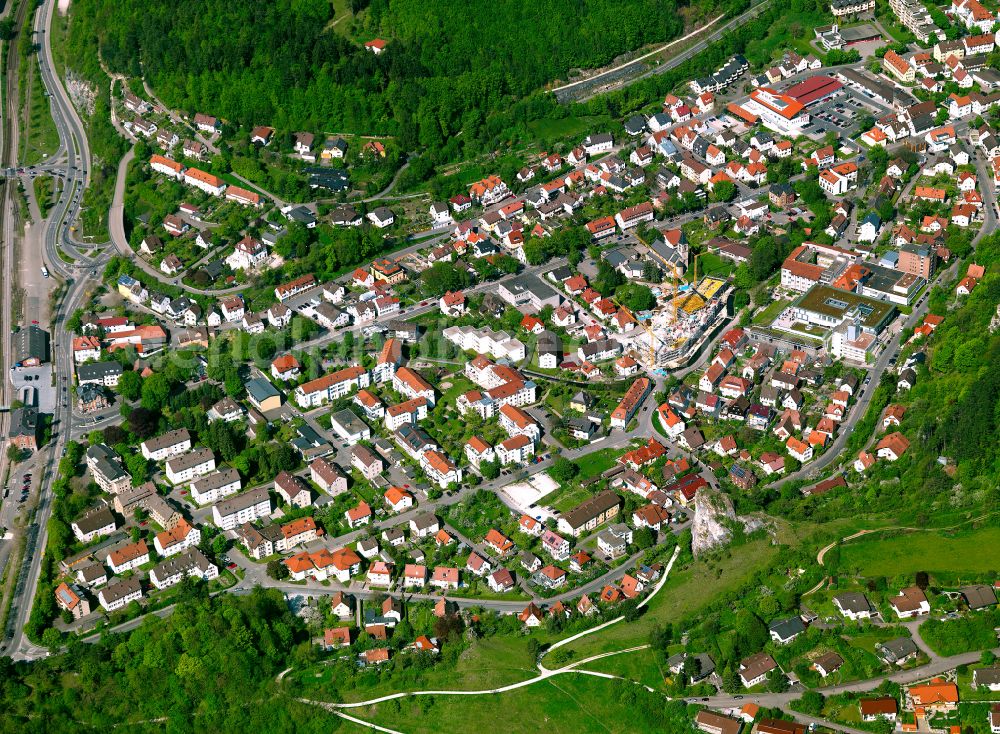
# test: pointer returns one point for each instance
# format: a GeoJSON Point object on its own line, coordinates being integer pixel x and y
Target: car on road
{"type": "Point", "coordinates": [231, 566]}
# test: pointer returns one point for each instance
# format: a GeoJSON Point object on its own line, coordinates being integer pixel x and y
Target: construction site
{"type": "Point", "coordinates": [664, 336]}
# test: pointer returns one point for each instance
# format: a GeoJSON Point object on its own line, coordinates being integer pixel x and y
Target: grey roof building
{"type": "Point", "coordinates": [94, 520]}
{"type": "Point", "coordinates": [99, 373]}
{"type": "Point", "coordinates": [549, 343]}
{"type": "Point", "coordinates": [978, 596]}
{"type": "Point", "coordinates": [528, 290]}
{"type": "Point", "coordinates": [31, 347]}
{"type": "Point", "coordinates": [259, 390]}
{"type": "Point", "coordinates": [786, 630]}
{"type": "Point", "coordinates": [896, 651]}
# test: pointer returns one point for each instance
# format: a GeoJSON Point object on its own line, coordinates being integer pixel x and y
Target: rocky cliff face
{"type": "Point", "coordinates": [714, 518]}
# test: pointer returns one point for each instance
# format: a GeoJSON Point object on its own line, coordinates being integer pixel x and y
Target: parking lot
{"type": "Point", "coordinates": [840, 113]}
{"type": "Point", "coordinates": [36, 383]}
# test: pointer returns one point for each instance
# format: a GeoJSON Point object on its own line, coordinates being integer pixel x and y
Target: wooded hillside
{"type": "Point", "coordinates": [208, 667]}
{"type": "Point", "coordinates": [447, 67]}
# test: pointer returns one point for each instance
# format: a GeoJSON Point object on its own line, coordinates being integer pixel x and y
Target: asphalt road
{"type": "Point", "coordinates": [626, 74]}
{"type": "Point", "coordinates": [73, 162]}
{"type": "Point", "coordinates": [941, 665]}
{"type": "Point", "coordinates": [815, 469]}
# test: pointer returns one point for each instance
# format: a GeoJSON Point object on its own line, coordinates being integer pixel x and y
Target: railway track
{"type": "Point", "coordinates": [9, 235]}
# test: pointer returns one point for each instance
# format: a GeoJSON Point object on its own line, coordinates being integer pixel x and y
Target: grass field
{"type": "Point", "coordinates": [342, 15]}
{"type": "Point", "coordinates": [489, 663]}
{"type": "Point", "coordinates": [711, 264]}
{"type": "Point", "coordinates": [923, 551]}
{"type": "Point", "coordinates": [567, 127]}
{"type": "Point", "coordinates": [567, 704]}
{"type": "Point", "coordinates": [39, 137]}
{"type": "Point", "coordinates": [565, 499]}
{"type": "Point", "coordinates": [597, 462]}
{"type": "Point", "coordinates": [686, 591]}
{"type": "Point", "coordinates": [640, 666]}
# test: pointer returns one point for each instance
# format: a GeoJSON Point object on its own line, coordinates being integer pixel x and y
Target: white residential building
{"type": "Point", "coordinates": [186, 467]}
{"type": "Point", "coordinates": [216, 486]}
{"type": "Point", "coordinates": [242, 508]}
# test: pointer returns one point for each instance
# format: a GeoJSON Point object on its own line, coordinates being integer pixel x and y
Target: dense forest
{"type": "Point", "coordinates": [447, 70]}
{"type": "Point", "coordinates": [208, 667]}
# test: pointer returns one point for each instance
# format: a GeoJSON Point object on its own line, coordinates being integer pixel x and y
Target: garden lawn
{"type": "Point", "coordinates": [923, 551]}
{"type": "Point", "coordinates": [459, 385]}
{"type": "Point", "coordinates": [770, 313]}
{"type": "Point", "coordinates": [868, 640]}
{"type": "Point", "coordinates": [597, 462]}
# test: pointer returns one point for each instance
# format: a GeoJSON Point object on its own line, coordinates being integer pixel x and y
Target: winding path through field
{"type": "Point", "coordinates": [937, 664]}
{"type": "Point", "coordinates": [544, 674]}
{"type": "Point", "coordinates": [825, 549]}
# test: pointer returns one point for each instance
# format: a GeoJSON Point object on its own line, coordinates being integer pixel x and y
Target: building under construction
{"type": "Point", "coordinates": [666, 334]}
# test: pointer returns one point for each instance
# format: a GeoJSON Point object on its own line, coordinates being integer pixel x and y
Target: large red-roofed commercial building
{"type": "Point", "coordinates": [780, 112]}
{"type": "Point", "coordinates": [812, 90]}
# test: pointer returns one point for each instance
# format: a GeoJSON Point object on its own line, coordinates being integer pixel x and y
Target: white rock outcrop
{"type": "Point", "coordinates": [714, 519]}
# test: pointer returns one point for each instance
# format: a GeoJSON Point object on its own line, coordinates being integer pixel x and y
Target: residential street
{"type": "Point", "coordinates": [343, 439]}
